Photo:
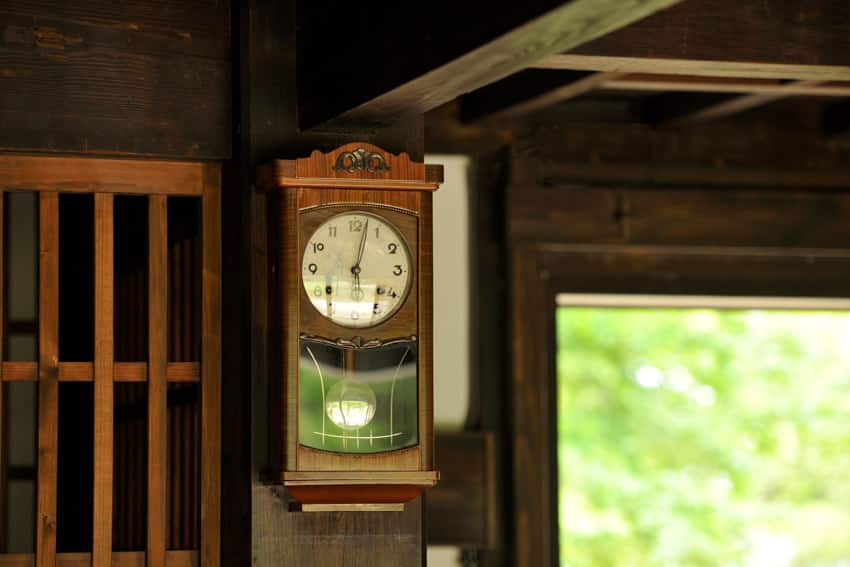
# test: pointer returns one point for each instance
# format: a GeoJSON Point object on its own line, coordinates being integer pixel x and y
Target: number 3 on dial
{"type": "Point", "coordinates": [356, 269]}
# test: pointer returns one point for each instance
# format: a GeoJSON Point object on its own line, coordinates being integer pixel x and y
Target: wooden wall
{"type": "Point", "coordinates": [142, 77]}
{"type": "Point", "coordinates": [755, 206]}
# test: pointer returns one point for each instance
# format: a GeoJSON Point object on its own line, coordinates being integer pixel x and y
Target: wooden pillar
{"type": "Point", "coordinates": [265, 532]}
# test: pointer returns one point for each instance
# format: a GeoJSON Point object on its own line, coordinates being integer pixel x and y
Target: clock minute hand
{"type": "Point", "coordinates": [356, 268]}
{"type": "Point", "coordinates": [362, 243]}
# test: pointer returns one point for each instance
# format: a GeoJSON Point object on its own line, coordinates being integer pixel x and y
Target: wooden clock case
{"type": "Point", "coordinates": [305, 193]}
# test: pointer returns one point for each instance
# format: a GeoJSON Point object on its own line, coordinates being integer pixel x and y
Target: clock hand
{"type": "Point", "coordinates": [362, 243]}
{"type": "Point", "coordinates": [356, 268]}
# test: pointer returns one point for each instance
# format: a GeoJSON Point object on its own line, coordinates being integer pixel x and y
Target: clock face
{"type": "Point", "coordinates": [356, 269]}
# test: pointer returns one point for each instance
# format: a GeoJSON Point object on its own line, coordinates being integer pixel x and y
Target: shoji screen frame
{"type": "Point", "coordinates": [105, 178]}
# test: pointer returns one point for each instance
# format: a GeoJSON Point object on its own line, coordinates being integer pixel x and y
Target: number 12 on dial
{"type": "Point", "coordinates": [356, 269]}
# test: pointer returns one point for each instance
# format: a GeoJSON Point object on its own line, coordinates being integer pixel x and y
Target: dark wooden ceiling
{"type": "Point", "coordinates": [695, 62]}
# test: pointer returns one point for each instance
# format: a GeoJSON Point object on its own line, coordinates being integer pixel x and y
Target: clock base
{"type": "Point", "coordinates": [347, 489]}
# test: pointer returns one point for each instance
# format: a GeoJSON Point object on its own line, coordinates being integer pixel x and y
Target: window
{"type": "Point", "coordinates": [111, 362]}
{"type": "Point", "coordinates": [702, 436]}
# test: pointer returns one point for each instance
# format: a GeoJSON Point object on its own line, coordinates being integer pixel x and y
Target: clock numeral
{"type": "Point", "coordinates": [397, 270]}
{"type": "Point", "coordinates": [332, 231]}
{"type": "Point", "coordinates": [313, 268]}
{"type": "Point", "coordinates": [318, 247]}
{"type": "Point", "coordinates": [317, 291]}
{"type": "Point", "coordinates": [377, 232]}
{"type": "Point", "coordinates": [376, 309]}
{"type": "Point", "coordinates": [392, 247]}
{"type": "Point", "coordinates": [355, 225]}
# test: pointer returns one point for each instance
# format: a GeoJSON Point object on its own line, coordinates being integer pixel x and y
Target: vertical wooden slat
{"type": "Point", "coordinates": [103, 385]}
{"type": "Point", "coordinates": [157, 378]}
{"type": "Point", "coordinates": [3, 442]}
{"type": "Point", "coordinates": [211, 368]}
{"type": "Point", "coordinates": [48, 376]}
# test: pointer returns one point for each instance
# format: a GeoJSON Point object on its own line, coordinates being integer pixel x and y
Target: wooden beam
{"type": "Point", "coordinates": [799, 39]}
{"type": "Point", "coordinates": [692, 83]}
{"type": "Point", "coordinates": [700, 68]}
{"type": "Point", "coordinates": [527, 91]}
{"type": "Point", "coordinates": [691, 108]}
{"type": "Point", "coordinates": [48, 378]}
{"type": "Point", "coordinates": [119, 559]}
{"type": "Point", "coordinates": [96, 175]}
{"type": "Point", "coordinates": [413, 65]}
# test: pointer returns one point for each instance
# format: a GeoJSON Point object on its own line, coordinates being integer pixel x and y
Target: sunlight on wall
{"type": "Point", "coordinates": [451, 294]}
{"type": "Point", "coordinates": [451, 311]}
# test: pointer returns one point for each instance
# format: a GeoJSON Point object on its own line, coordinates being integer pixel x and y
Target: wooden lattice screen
{"type": "Point", "coordinates": [173, 403]}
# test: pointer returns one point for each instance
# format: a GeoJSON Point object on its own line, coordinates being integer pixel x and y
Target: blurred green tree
{"type": "Point", "coordinates": [696, 437]}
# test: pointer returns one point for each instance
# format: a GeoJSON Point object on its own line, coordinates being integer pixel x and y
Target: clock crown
{"type": "Point", "coordinates": [361, 159]}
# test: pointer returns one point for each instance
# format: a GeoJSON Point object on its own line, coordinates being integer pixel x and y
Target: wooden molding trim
{"type": "Point", "coordinates": [100, 175]}
{"type": "Point", "coordinates": [84, 371]}
{"type": "Point", "coordinates": [119, 559]}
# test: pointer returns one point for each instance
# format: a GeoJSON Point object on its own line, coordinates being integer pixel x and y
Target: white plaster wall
{"type": "Point", "coordinates": [451, 311]}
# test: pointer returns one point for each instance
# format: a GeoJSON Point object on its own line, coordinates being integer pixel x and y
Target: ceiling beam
{"type": "Point", "coordinates": [690, 83]}
{"type": "Point", "coordinates": [783, 39]}
{"type": "Point", "coordinates": [691, 108]}
{"type": "Point", "coordinates": [528, 91]}
{"type": "Point", "coordinates": [369, 65]}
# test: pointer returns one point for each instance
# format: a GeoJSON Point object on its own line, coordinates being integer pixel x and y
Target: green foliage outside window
{"type": "Point", "coordinates": [691, 438]}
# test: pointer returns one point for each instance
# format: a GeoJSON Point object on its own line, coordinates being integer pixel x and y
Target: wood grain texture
{"type": "Point", "coordinates": [211, 370]}
{"type": "Point", "coordinates": [459, 510]}
{"type": "Point", "coordinates": [84, 371]}
{"type": "Point", "coordinates": [533, 442]}
{"type": "Point", "coordinates": [308, 208]}
{"type": "Point", "coordinates": [682, 216]}
{"type": "Point", "coordinates": [104, 402]}
{"type": "Point", "coordinates": [98, 175]}
{"type": "Point", "coordinates": [119, 559]}
{"type": "Point", "coordinates": [48, 378]}
{"type": "Point", "coordinates": [259, 527]}
{"type": "Point", "coordinates": [425, 304]}
{"type": "Point", "coordinates": [142, 78]}
{"type": "Point", "coordinates": [4, 273]}
{"type": "Point", "coordinates": [690, 83]}
{"type": "Point", "coordinates": [694, 67]}
{"type": "Point", "coordinates": [795, 33]}
{"type": "Point", "coordinates": [460, 54]}
{"type": "Point", "coordinates": [157, 468]}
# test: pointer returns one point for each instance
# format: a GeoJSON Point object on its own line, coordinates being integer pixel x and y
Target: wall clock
{"type": "Point", "coordinates": [351, 232]}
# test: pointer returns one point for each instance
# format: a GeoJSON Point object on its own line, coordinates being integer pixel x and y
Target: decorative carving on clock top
{"type": "Point", "coordinates": [361, 159]}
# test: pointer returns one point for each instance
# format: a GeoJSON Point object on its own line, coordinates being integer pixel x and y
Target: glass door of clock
{"type": "Point", "coordinates": [357, 399]}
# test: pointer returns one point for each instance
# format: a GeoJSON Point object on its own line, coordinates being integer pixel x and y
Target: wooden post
{"type": "Point", "coordinates": [103, 380]}
{"type": "Point", "coordinates": [157, 379]}
{"type": "Point", "coordinates": [211, 368]}
{"type": "Point", "coordinates": [48, 378]}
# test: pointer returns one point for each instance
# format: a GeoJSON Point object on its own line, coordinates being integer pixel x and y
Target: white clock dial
{"type": "Point", "coordinates": [356, 269]}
